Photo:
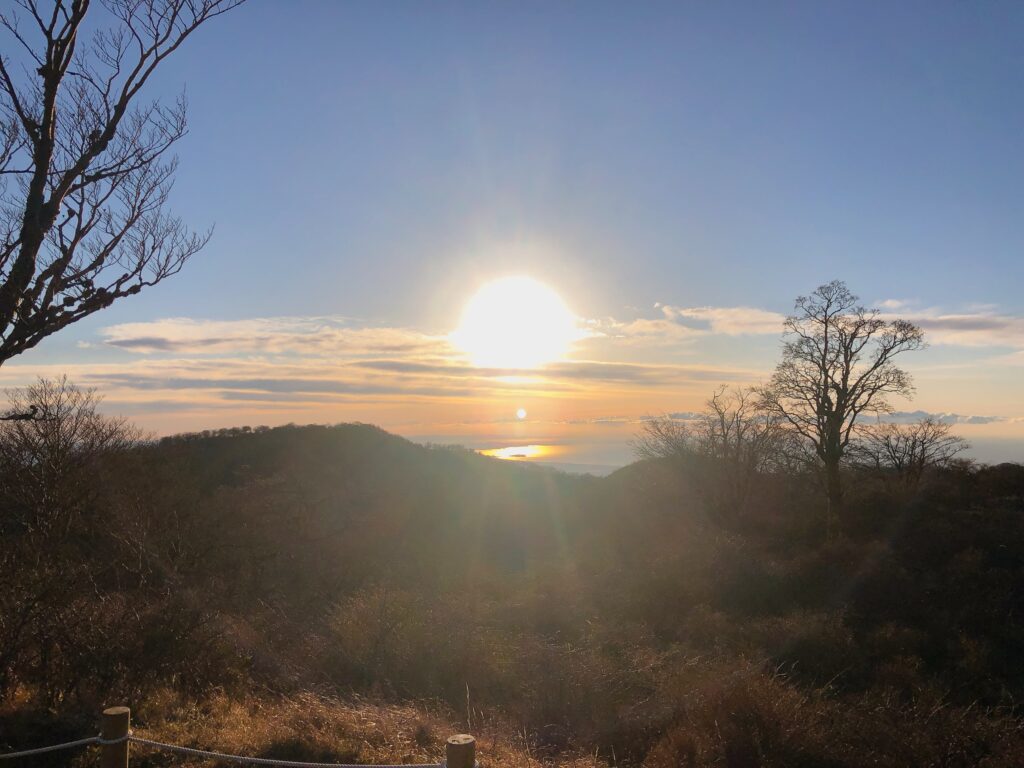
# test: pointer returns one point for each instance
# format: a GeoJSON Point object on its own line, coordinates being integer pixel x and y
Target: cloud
{"type": "Point", "coordinates": [407, 350]}
{"type": "Point", "coordinates": [332, 336]}
{"type": "Point", "coordinates": [677, 326]}
{"type": "Point", "coordinates": [277, 385]}
{"type": "Point", "coordinates": [328, 367]}
{"type": "Point", "coordinates": [640, 373]}
{"type": "Point", "coordinates": [652, 332]}
{"type": "Point", "coordinates": [1012, 359]}
{"type": "Point", "coordinates": [728, 321]}
{"type": "Point", "coordinates": [685, 415]}
{"type": "Point", "coordinates": [973, 325]}
{"type": "Point", "coordinates": [909, 417]}
{"type": "Point", "coordinates": [315, 336]}
{"type": "Point", "coordinates": [978, 329]}
{"type": "Point", "coordinates": [183, 365]}
{"type": "Point", "coordinates": [895, 305]}
{"type": "Point", "coordinates": [613, 421]}
{"type": "Point", "coordinates": [897, 417]}
{"type": "Point", "coordinates": [979, 325]}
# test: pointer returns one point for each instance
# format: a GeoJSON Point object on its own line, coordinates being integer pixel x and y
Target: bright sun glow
{"type": "Point", "coordinates": [520, 452]}
{"type": "Point", "coordinates": [516, 322]}
{"type": "Point", "coordinates": [521, 414]}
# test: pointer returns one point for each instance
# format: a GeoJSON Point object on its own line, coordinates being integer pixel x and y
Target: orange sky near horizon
{"type": "Point", "coordinates": [585, 384]}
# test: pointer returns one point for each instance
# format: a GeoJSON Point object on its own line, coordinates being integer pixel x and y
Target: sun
{"type": "Point", "coordinates": [521, 414]}
{"type": "Point", "coordinates": [516, 322]}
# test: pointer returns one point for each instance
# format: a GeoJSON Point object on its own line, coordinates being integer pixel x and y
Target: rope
{"type": "Point", "coordinates": [51, 748]}
{"type": "Point", "coordinates": [202, 753]}
{"type": "Point", "coordinates": [265, 760]}
{"type": "Point", "coordinates": [118, 740]}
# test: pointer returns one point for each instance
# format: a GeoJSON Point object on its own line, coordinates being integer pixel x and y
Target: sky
{"type": "Point", "coordinates": [678, 173]}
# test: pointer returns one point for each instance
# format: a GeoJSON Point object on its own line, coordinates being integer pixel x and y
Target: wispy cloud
{"type": "Point", "coordinates": [678, 326]}
{"type": "Point", "coordinates": [319, 355]}
{"type": "Point", "coordinates": [335, 365]}
{"type": "Point", "coordinates": [403, 348]}
{"type": "Point", "coordinates": [978, 325]}
{"type": "Point", "coordinates": [896, 305]}
{"type": "Point", "coordinates": [311, 336]}
{"type": "Point", "coordinates": [971, 325]}
{"type": "Point", "coordinates": [977, 329]}
{"type": "Point", "coordinates": [308, 363]}
{"type": "Point", "coordinates": [728, 321]}
{"type": "Point", "coordinates": [685, 415]}
{"type": "Point", "coordinates": [909, 417]}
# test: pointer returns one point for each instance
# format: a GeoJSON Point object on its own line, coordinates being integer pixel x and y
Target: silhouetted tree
{"type": "Point", "coordinates": [837, 364]}
{"type": "Point", "coordinates": [729, 443]}
{"type": "Point", "coordinates": [50, 469]}
{"type": "Point", "coordinates": [738, 440]}
{"type": "Point", "coordinates": [86, 174]}
{"type": "Point", "coordinates": [663, 437]}
{"type": "Point", "coordinates": [908, 450]}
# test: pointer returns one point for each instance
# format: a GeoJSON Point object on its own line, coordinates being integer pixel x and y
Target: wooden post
{"type": "Point", "coordinates": [116, 722]}
{"type": "Point", "coordinates": [460, 751]}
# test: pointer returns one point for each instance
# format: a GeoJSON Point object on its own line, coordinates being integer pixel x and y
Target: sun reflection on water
{"type": "Point", "coordinates": [521, 452]}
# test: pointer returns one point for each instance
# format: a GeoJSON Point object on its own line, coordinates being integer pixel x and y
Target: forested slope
{"type": "Point", "coordinates": [563, 616]}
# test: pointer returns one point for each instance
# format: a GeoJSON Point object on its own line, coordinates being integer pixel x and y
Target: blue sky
{"type": "Point", "coordinates": [380, 161]}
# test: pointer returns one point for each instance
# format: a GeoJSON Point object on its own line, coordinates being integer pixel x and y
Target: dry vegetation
{"type": "Point", "coordinates": [341, 594]}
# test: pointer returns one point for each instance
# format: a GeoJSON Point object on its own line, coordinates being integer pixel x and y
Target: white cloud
{"type": "Point", "coordinates": [972, 329]}
{"type": "Point", "coordinates": [674, 325]}
{"type": "Point", "coordinates": [314, 336]}
{"type": "Point", "coordinates": [909, 417]}
{"type": "Point", "coordinates": [896, 305]}
{"type": "Point", "coordinates": [730, 321]}
{"type": "Point", "coordinates": [658, 331]}
{"type": "Point", "coordinates": [313, 363]}
{"type": "Point", "coordinates": [682, 325]}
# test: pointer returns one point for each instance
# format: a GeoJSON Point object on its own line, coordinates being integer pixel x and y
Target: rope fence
{"type": "Point", "coordinates": [51, 748]}
{"type": "Point", "coordinates": [116, 735]}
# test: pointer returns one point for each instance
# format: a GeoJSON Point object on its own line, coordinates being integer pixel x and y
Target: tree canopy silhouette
{"type": "Point", "coordinates": [908, 450]}
{"type": "Point", "coordinates": [837, 364]}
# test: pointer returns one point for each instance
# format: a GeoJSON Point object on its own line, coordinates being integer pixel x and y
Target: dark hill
{"type": "Point", "coordinates": [623, 612]}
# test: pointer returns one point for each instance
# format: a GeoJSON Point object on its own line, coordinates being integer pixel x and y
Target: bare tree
{"type": "Point", "coordinates": [51, 469]}
{"type": "Point", "coordinates": [743, 440]}
{"type": "Point", "coordinates": [47, 462]}
{"type": "Point", "coordinates": [837, 364]}
{"type": "Point", "coordinates": [734, 427]}
{"type": "Point", "coordinates": [730, 443]}
{"type": "Point", "coordinates": [908, 450]}
{"type": "Point", "coordinates": [663, 437]}
{"type": "Point", "coordinates": [85, 172]}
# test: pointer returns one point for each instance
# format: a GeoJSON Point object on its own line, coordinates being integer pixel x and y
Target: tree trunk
{"type": "Point", "coordinates": [834, 487]}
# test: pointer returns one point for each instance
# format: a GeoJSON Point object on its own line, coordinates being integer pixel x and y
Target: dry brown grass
{"type": "Point", "coordinates": [310, 727]}
{"type": "Point", "coordinates": [749, 718]}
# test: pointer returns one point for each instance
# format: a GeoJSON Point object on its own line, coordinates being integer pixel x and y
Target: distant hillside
{"type": "Point", "coordinates": [397, 501]}
{"type": "Point", "coordinates": [568, 615]}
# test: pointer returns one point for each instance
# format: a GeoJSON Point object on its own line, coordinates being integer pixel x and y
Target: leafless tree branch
{"type": "Point", "coordinates": [907, 451]}
{"type": "Point", "coordinates": [837, 365]}
{"type": "Point", "coordinates": [85, 169]}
